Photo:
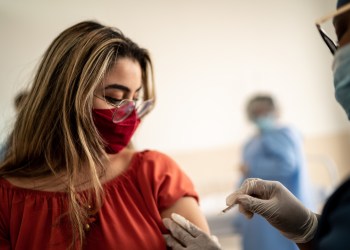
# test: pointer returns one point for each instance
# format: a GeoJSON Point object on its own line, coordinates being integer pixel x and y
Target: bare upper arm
{"type": "Point", "coordinates": [188, 208]}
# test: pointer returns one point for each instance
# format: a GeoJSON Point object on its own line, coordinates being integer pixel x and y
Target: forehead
{"type": "Point", "coordinates": [258, 107]}
{"type": "Point", "coordinates": [125, 72]}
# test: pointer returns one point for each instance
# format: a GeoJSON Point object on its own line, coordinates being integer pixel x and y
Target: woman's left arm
{"type": "Point", "coordinates": [188, 208]}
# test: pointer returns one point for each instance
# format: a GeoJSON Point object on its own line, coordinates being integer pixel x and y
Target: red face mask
{"type": "Point", "coordinates": [116, 136]}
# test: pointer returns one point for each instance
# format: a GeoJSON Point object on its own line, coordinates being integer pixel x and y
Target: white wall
{"type": "Point", "coordinates": [209, 57]}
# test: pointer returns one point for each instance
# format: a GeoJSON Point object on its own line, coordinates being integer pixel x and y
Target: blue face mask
{"type": "Point", "coordinates": [265, 123]}
{"type": "Point", "coordinates": [341, 73]}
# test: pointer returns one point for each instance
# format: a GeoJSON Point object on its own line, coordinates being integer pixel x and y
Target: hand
{"type": "Point", "coordinates": [185, 235]}
{"type": "Point", "coordinates": [278, 206]}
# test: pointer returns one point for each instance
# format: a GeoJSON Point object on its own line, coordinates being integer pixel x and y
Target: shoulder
{"type": "Point", "coordinates": [290, 131]}
{"type": "Point", "coordinates": [339, 197]}
{"type": "Point", "coordinates": [163, 175]}
{"type": "Point", "coordinates": [156, 157]}
{"type": "Point", "coordinates": [287, 133]}
{"type": "Point", "coordinates": [334, 226]}
{"type": "Point", "coordinates": [156, 162]}
{"type": "Point", "coordinates": [285, 129]}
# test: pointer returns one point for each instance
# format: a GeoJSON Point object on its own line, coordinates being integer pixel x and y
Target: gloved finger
{"type": "Point", "coordinates": [171, 242]}
{"type": "Point", "coordinates": [250, 205]}
{"type": "Point", "coordinates": [188, 226]}
{"type": "Point", "coordinates": [246, 213]}
{"type": "Point", "coordinates": [253, 186]}
{"type": "Point", "coordinates": [178, 232]}
{"type": "Point", "coordinates": [245, 188]}
{"type": "Point", "coordinates": [231, 199]}
{"type": "Point", "coordinates": [215, 239]}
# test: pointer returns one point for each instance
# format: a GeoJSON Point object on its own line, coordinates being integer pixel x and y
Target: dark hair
{"type": "Point", "coordinates": [20, 98]}
{"type": "Point", "coordinates": [260, 99]}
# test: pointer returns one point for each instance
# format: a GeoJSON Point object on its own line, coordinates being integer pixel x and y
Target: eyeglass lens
{"type": "Point", "coordinates": [126, 107]}
{"type": "Point", "coordinates": [144, 107]}
{"type": "Point", "coordinates": [123, 111]}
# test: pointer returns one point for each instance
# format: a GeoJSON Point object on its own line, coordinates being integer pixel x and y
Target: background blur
{"type": "Point", "coordinates": [209, 57]}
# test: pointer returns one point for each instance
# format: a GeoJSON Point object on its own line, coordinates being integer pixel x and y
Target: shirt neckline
{"type": "Point", "coordinates": [105, 185]}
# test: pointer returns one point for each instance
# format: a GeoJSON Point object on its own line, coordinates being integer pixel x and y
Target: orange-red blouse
{"type": "Point", "coordinates": [129, 218]}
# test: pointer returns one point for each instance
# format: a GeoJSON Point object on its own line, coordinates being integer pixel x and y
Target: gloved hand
{"type": "Point", "coordinates": [185, 235]}
{"type": "Point", "coordinates": [278, 206]}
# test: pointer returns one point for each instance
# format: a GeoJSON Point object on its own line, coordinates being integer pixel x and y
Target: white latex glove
{"type": "Point", "coordinates": [278, 206]}
{"type": "Point", "coordinates": [187, 236]}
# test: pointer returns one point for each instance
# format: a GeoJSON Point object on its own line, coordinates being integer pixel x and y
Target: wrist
{"type": "Point", "coordinates": [309, 228]}
{"type": "Point", "coordinates": [306, 246]}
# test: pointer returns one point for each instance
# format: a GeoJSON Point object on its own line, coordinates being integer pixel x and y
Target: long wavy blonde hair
{"type": "Point", "coordinates": [54, 132]}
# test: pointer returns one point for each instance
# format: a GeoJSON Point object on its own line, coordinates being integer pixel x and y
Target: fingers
{"type": "Point", "coordinates": [246, 188]}
{"type": "Point", "coordinates": [246, 213]}
{"type": "Point", "coordinates": [181, 221]}
{"type": "Point", "coordinates": [249, 205]}
{"type": "Point", "coordinates": [171, 242]}
{"type": "Point", "coordinates": [253, 187]}
{"type": "Point", "coordinates": [215, 239]}
{"type": "Point", "coordinates": [178, 232]}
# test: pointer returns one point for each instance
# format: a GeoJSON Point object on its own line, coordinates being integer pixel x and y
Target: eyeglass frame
{"type": "Point", "coordinates": [333, 46]}
{"type": "Point", "coordinates": [117, 106]}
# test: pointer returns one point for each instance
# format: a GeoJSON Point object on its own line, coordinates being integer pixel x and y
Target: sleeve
{"type": "Point", "coordinates": [168, 182]}
{"type": "Point", "coordinates": [334, 228]}
{"type": "Point", "coordinates": [277, 156]}
{"type": "Point", "coordinates": [338, 237]}
{"type": "Point", "coordinates": [4, 236]}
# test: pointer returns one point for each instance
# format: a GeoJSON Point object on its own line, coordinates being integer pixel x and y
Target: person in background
{"type": "Point", "coordinates": [18, 103]}
{"type": "Point", "coordinates": [69, 179]}
{"type": "Point", "coordinates": [273, 201]}
{"type": "Point", "coordinates": [275, 152]}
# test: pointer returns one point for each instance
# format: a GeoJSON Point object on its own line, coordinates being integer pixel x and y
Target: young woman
{"type": "Point", "coordinates": [69, 178]}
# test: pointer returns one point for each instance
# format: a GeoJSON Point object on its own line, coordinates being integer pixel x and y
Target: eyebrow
{"type": "Point", "coordinates": [121, 87]}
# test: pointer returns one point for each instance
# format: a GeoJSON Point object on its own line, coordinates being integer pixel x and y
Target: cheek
{"type": "Point", "coordinates": [99, 104]}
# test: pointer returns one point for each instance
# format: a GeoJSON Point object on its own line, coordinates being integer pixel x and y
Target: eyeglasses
{"type": "Point", "coordinates": [125, 107]}
{"type": "Point", "coordinates": [331, 44]}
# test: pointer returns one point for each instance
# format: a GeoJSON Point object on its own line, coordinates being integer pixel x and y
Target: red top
{"type": "Point", "coordinates": [129, 218]}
